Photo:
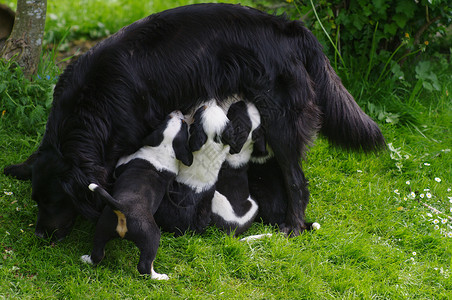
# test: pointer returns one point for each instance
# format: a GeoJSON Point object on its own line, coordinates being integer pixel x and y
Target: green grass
{"type": "Point", "coordinates": [375, 240]}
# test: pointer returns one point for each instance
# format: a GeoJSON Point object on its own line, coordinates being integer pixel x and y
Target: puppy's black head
{"type": "Point", "coordinates": [238, 129]}
{"type": "Point", "coordinates": [198, 136]}
{"type": "Point", "coordinates": [180, 145]}
{"type": "Point", "coordinates": [173, 130]}
{"type": "Point", "coordinates": [260, 144]}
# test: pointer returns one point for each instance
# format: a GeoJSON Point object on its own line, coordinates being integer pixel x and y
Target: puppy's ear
{"type": "Point", "coordinates": [260, 144]}
{"type": "Point", "coordinates": [198, 136]}
{"type": "Point", "coordinates": [180, 146]}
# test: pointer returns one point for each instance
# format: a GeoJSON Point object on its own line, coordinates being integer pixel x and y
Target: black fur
{"type": "Point", "coordinates": [106, 102]}
{"type": "Point", "coordinates": [266, 184]}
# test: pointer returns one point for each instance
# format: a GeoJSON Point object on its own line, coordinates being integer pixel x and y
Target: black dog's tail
{"type": "Point", "coordinates": [344, 123]}
{"type": "Point", "coordinates": [104, 195]}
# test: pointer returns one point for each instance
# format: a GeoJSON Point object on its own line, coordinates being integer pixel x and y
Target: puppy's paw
{"type": "Point", "coordinates": [157, 276]}
{"type": "Point", "coordinates": [87, 259]}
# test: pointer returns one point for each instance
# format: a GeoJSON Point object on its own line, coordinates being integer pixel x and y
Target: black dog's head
{"type": "Point", "coordinates": [57, 213]}
{"type": "Point", "coordinates": [54, 186]}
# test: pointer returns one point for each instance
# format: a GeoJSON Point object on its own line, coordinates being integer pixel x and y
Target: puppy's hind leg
{"type": "Point", "coordinates": [105, 231]}
{"type": "Point", "coordinates": [146, 235]}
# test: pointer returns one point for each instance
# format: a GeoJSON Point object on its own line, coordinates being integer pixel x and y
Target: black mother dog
{"type": "Point", "coordinates": [120, 90]}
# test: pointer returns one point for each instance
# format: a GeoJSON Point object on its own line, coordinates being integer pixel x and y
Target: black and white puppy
{"type": "Point", "coordinates": [142, 181]}
{"type": "Point", "coordinates": [233, 209]}
{"type": "Point", "coordinates": [188, 205]}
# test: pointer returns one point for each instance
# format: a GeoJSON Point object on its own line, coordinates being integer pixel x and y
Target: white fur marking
{"type": "Point", "coordinates": [262, 160]}
{"type": "Point", "coordinates": [162, 157]}
{"type": "Point", "coordinates": [86, 259]}
{"type": "Point", "coordinates": [255, 237]}
{"type": "Point", "coordinates": [207, 161]}
{"type": "Point", "coordinates": [222, 207]}
{"type": "Point", "coordinates": [157, 276]}
{"type": "Point", "coordinates": [93, 186]}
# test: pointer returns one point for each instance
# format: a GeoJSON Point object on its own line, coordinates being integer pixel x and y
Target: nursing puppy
{"type": "Point", "coordinates": [233, 209]}
{"type": "Point", "coordinates": [142, 181]}
{"type": "Point", "coordinates": [188, 205]}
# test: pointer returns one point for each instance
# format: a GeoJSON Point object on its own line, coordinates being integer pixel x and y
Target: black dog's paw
{"type": "Point", "coordinates": [293, 231]}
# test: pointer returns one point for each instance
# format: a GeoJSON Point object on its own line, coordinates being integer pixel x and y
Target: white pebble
{"type": "Point", "coordinates": [315, 226]}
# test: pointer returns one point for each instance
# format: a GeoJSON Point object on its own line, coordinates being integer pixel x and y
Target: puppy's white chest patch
{"type": "Point", "coordinates": [222, 207]}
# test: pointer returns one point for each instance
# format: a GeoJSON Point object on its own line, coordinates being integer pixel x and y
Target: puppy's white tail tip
{"type": "Point", "coordinates": [92, 186]}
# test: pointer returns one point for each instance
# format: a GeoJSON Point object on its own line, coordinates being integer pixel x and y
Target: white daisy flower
{"type": "Point", "coordinates": [426, 164]}
{"type": "Point", "coordinates": [436, 227]}
{"type": "Point", "coordinates": [397, 192]}
{"type": "Point", "coordinates": [444, 221]}
{"type": "Point", "coordinates": [437, 179]}
{"type": "Point", "coordinates": [435, 221]}
{"type": "Point", "coordinates": [429, 195]}
{"type": "Point", "coordinates": [408, 182]}
{"type": "Point", "coordinates": [429, 215]}
{"type": "Point", "coordinates": [449, 234]}
{"type": "Point", "coordinates": [421, 195]}
{"type": "Point", "coordinates": [414, 253]}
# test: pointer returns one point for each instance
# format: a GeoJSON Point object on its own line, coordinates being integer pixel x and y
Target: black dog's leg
{"type": "Point", "coordinates": [105, 231]}
{"type": "Point", "coordinates": [267, 187]}
{"type": "Point", "coordinates": [288, 155]}
{"type": "Point", "coordinates": [297, 190]}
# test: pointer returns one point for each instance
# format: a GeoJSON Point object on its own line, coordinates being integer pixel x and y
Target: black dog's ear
{"type": "Point", "coordinates": [260, 144]}
{"type": "Point", "coordinates": [198, 136]}
{"type": "Point", "coordinates": [241, 125]}
{"type": "Point", "coordinates": [180, 146]}
{"type": "Point", "coordinates": [22, 171]}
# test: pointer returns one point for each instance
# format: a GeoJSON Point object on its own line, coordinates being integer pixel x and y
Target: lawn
{"type": "Point", "coordinates": [378, 239]}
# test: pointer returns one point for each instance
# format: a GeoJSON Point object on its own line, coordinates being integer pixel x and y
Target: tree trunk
{"type": "Point", "coordinates": [25, 42]}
